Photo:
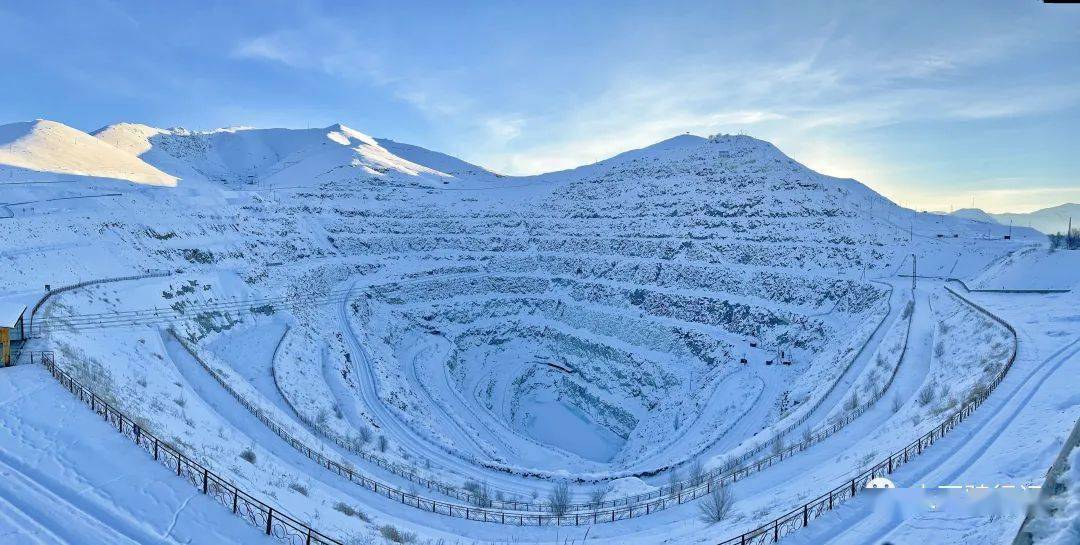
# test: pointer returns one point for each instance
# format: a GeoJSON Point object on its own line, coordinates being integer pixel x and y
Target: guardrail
{"type": "Point", "coordinates": [801, 516]}
{"type": "Point", "coordinates": [1046, 291]}
{"type": "Point", "coordinates": [264, 516]}
{"type": "Point", "coordinates": [49, 294]}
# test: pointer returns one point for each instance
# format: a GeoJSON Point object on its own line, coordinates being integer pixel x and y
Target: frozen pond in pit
{"type": "Point", "coordinates": [561, 425]}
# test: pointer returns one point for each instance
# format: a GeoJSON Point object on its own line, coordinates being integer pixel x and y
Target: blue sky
{"type": "Point", "coordinates": [932, 103]}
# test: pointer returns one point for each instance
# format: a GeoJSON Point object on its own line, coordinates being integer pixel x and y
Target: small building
{"type": "Point", "coordinates": [11, 329]}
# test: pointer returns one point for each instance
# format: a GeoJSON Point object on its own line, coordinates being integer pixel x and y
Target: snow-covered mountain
{"type": "Point", "coordinates": [30, 149]}
{"type": "Point", "coordinates": [271, 157]}
{"type": "Point", "coordinates": [1047, 220]}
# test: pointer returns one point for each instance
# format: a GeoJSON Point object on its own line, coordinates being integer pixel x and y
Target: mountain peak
{"type": "Point", "coordinates": [44, 146]}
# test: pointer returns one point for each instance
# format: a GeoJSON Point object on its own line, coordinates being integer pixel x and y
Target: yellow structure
{"type": "Point", "coordinates": [5, 346]}
{"type": "Point", "coordinates": [11, 329]}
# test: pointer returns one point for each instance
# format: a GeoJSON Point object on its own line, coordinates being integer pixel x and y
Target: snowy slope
{"type": "Point", "coordinates": [48, 147]}
{"type": "Point", "coordinates": [242, 156]}
{"type": "Point", "coordinates": [1047, 220]}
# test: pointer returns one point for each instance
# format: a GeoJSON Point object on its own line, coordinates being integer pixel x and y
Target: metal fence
{"type": "Point", "coordinates": [270, 520]}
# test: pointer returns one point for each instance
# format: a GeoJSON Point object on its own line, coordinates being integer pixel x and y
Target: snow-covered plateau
{"type": "Point", "coordinates": [383, 343]}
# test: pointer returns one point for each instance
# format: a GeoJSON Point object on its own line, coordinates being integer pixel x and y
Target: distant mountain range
{"type": "Point", "coordinates": [1048, 220]}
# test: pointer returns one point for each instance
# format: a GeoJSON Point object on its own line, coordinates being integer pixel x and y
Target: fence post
{"type": "Point", "coordinates": [205, 479]}
{"type": "Point", "coordinates": [269, 518]}
{"type": "Point", "coordinates": [805, 514]}
{"type": "Point", "coordinates": [235, 496]}
{"type": "Point", "coordinates": [776, 530]}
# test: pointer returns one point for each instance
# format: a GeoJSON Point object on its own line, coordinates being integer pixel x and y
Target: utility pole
{"type": "Point", "coordinates": [1068, 235]}
{"type": "Point", "coordinates": [914, 273]}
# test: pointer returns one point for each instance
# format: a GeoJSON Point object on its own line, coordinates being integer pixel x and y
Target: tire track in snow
{"type": "Point", "coordinates": [1026, 389]}
{"type": "Point", "coordinates": [66, 514]}
{"type": "Point", "coordinates": [370, 397]}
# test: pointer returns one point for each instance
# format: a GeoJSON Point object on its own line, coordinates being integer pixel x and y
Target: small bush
{"type": "Point", "coordinates": [349, 511]}
{"type": "Point", "coordinates": [481, 496]}
{"type": "Point", "coordinates": [362, 437]}
{"type": "Point", "coordinates": [596, 496]}
{"type": "Point", "coordinates": [248, 455]}
{"type": "Point", "coordinates": [697, 475]}
{"type": "Point", "coordinates": [852, 402]}
{"type": "Point", "coordinates": [777, 445]}
{"type": "Point", "coordinates": [716, 506]}
{"type": "Point", "coordinates": [382, 443]}
{"type": "Point", "coordinates": [392, 534]}
{"type": "Point", "coordinates": [807, 435]}
{"type": "Point", "coordinates": [299, 488]}
{"type": "Point", "coordinates": [559, 498]}
{"type": "Point", "coordinates": [675, 481]}
{"type": "Point", "coordinates": [728, 465]}
{"type": "Point", "coordinates": [927, 394]}
{"type": "Point", "coordinates": [897, 403]}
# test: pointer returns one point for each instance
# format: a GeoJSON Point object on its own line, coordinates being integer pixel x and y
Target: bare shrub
{"type": "Point", "coordinates": [299, 488]}
{"type": "Point", "coordinates": [939, 349]}
{"type": "Point", "coordinates": [383, 443]}
{"type": "Point", "coordinates": [675, 481]}
{"type": "Point", "coordinates": [248, 455]}
{"type": "Point", "coordinates": [559, 498]}
{"type": "Point", "coordinates": [807, 435]}
{"type": "Point", "coordinates": [897, 403]}
{"type": "Point", "coordinates": [927, 394]}
{"type": "Point", "coordinates": [596, 495]}
{"type": "Point", "coordinates": [350, 511]}
{"type": "Point", "coordinates": [852, 402]}
{"type": "Point", "coordinates": [696, 473]}
{"type": "Point", "coordinates": [728, 465]}
{"type": "Point", "coordinates": [716, 506]}
{"type": "Point", "coordinates": [481, 495]}
{"type": "Point", "coordinates": [391, 533]}
{"type": "Point", "coordinates": [777, 445]}
{"type": "Point", "coordinates": [836, 420]}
